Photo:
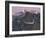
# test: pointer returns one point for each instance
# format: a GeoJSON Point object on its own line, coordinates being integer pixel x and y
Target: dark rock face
{"type": "Point", "coordinates": [18, 23]}
{"type": "Point", "coordinates": [28, 17]}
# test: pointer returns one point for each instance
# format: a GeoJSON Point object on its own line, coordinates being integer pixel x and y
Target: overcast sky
{"type": "Point", "coordinates": [18, 9]}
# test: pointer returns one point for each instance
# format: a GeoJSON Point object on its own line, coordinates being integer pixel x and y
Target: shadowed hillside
{"type": "Point", "coordinates": [27, 21]}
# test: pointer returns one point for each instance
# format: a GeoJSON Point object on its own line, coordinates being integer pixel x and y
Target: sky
{"type": "Point", "coordinates": [17, 9]}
